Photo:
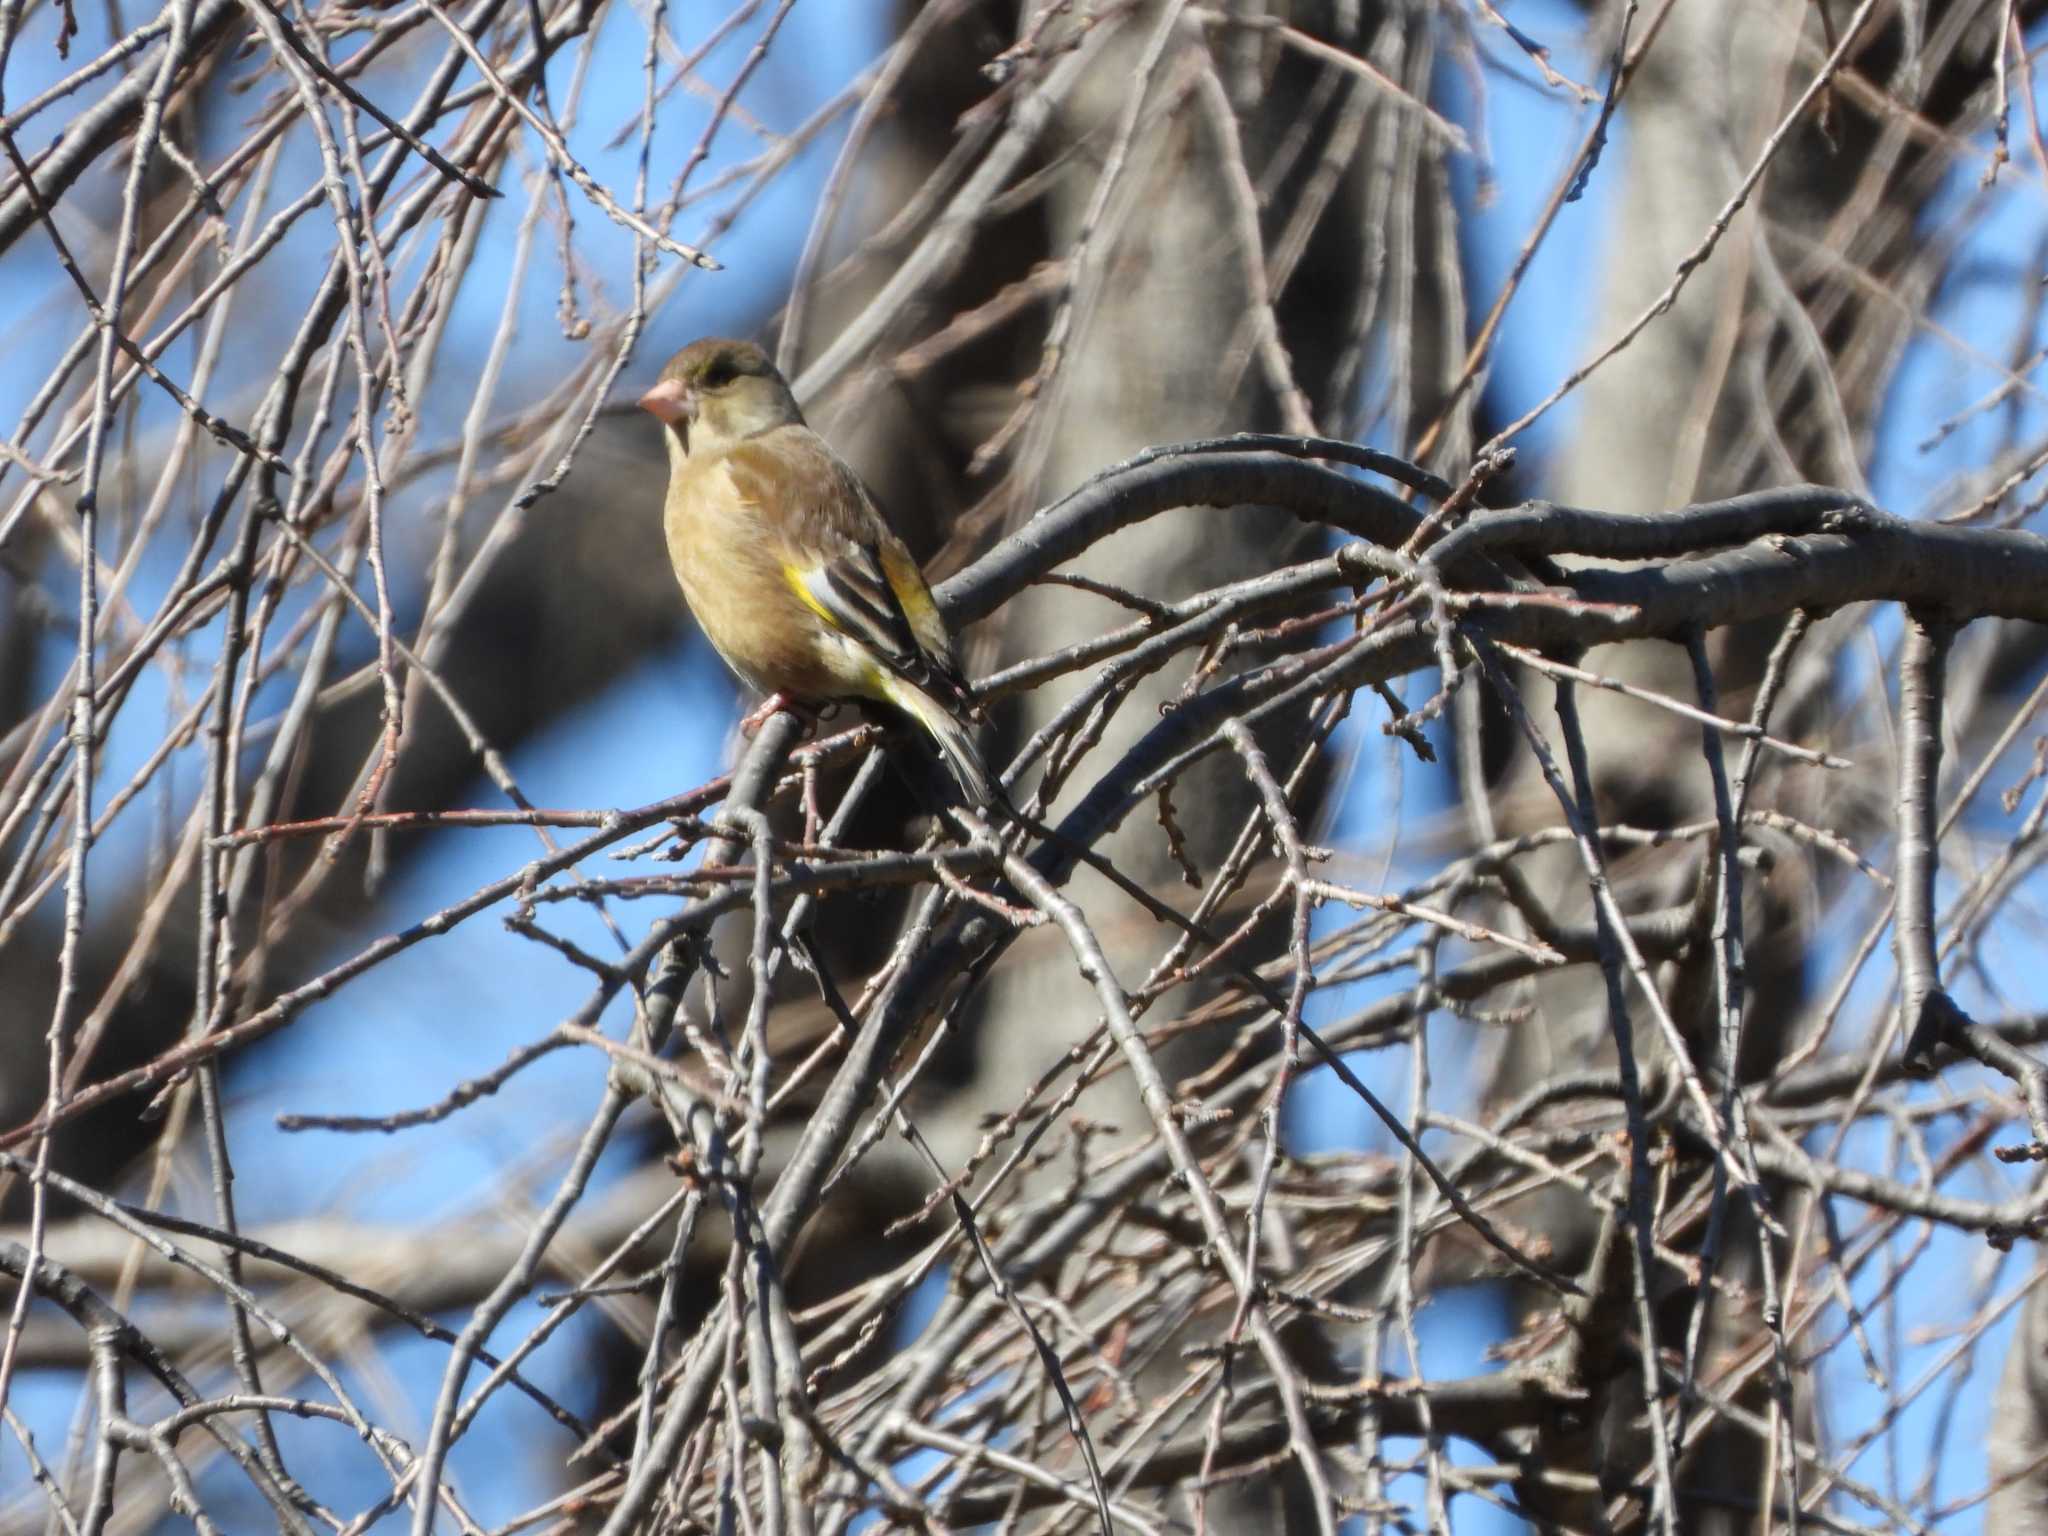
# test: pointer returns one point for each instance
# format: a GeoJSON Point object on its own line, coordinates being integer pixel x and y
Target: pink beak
{"type": "Point", "coordinates": [672, 402]}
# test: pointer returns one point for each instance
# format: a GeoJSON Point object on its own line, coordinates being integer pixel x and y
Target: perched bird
{"type": "Point", "coordinates": [787, 562]}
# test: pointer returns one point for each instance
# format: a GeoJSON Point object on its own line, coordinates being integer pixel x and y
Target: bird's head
{"type": "Point", "coordinates": [715, 393]}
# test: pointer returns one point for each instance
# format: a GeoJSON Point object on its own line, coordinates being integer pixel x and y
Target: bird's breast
{"type": "Point", "coordinates": [730, 561]}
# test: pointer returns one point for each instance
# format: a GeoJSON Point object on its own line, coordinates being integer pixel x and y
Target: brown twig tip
{"type": "Point", "coordinates": [2001, 1235]}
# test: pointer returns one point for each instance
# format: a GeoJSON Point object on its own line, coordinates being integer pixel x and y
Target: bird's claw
{"type": "Point", "coordinates": [774, 704]}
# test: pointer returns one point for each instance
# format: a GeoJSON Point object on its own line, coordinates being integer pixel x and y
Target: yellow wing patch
{"type": "Point", "coordinates": [907, 582]}
{"type": "Point", "coordinates": [797, 584]}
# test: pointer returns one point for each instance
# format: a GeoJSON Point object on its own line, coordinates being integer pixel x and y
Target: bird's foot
{"type": "Point", "coordinates": [774, 704]}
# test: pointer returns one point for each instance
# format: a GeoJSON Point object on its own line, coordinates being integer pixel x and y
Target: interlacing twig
{"type": "Point", "coordinates": [1122, 1154]}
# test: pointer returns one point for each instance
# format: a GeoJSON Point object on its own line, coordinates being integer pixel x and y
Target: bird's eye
{"type": "Point", "coordinates": [718, 375]}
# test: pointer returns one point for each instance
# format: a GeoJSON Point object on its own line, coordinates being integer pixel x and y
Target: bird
{"type": "Point", "coordinates": [788, 563]}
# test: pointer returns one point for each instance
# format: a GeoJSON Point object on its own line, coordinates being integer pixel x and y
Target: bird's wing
{"type": "Point", "coordinates": [841, 558]}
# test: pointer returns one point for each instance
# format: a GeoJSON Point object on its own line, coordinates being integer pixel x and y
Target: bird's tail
{"type": "Point", "coordinates": [955, 741]}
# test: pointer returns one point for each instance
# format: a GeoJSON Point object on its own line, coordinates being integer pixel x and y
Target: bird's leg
{"type": "Point", "coordinates": [774, 704]}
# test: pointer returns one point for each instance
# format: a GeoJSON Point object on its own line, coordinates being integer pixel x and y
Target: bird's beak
{"type": "Point", "coordinates": [673, 403]}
